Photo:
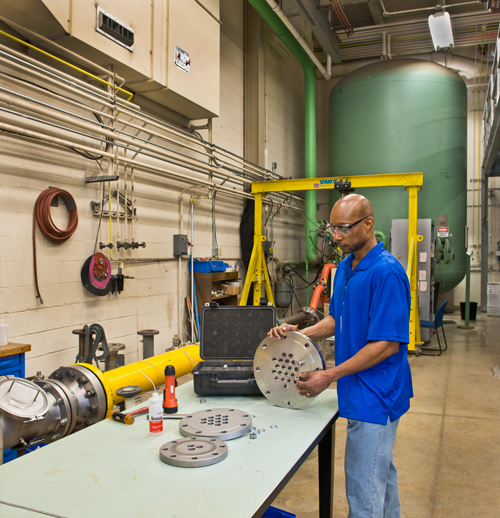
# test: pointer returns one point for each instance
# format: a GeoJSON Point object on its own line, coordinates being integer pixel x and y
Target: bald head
{"type": "Point", "coordinates": [352, 206]}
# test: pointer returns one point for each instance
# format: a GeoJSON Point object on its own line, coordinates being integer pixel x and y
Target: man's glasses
{"type": "Point", "coordinates": [343, 230]}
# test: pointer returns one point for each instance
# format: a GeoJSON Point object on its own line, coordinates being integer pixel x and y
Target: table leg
{"type": "Point", "coordinates": [326, 465]}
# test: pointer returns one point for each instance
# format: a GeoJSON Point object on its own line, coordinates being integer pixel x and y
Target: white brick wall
{"type": "Point", "coordinates": [150, 300]}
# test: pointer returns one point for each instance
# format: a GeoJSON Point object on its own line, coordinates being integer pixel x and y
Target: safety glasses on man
{"type": "Point", "coordinates": [344, 230]}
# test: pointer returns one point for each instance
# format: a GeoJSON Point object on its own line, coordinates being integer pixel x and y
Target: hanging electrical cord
{"type": "Point", "coordinates": [42, 216]}
{"type": "Point", "coordinates": [307, 283]}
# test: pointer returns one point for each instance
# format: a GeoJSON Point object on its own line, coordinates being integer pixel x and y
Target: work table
{"type": "Point", "coordinates": [111, 469]}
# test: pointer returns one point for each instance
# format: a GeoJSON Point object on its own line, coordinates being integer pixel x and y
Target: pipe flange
{"type": "Point", "coordinates": [278, 363]}
{"type": "Point", "coordinates": [193, 452]}
{"type": "Point", "coordinates": [62, 410]}
{"type": "Point", "coordinates": [87, 394]}
{"type": "Point", "coordinates": [310, 313]}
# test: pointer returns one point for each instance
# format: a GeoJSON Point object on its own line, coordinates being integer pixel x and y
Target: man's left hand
{"type": "Point", "coordinates": [313, 383]}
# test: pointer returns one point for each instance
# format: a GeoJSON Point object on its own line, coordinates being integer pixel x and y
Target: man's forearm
{"type": "Point", "coordinates": [372, 354]}
{"type": "Point", "coordinates": [322, 329]}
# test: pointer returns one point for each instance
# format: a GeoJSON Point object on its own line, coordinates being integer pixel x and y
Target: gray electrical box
{"type": "Point", "coordinates": [425, 263]}
{"type": "Point", "coordinates": [180, 245]}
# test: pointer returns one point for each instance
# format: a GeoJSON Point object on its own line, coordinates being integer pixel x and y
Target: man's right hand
{"type": "Point", "coordinates": [280, 331]}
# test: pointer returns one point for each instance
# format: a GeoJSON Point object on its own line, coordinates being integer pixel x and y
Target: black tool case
{"type": "Point", "coordinates": [229, 338]}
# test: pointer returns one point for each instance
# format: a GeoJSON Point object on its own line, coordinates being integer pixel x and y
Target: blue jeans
{"type": "Point", "coordinates": [371, 478]}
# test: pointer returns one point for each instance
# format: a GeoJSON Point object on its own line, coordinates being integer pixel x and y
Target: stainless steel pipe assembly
{"type": "Point", "coordinates": [75, 397]}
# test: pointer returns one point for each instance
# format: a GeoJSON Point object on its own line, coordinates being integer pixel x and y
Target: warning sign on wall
{"type": "Point", "coordinates": [443, 232]}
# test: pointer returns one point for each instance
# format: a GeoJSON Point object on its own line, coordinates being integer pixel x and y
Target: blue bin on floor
{"type": "Point", "coordinates": [273, 512]}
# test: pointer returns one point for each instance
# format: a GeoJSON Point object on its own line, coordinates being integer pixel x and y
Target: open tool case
{"type": "Point", "coordinates": [229, 338]}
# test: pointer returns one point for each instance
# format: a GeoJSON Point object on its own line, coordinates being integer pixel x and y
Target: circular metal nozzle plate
{"type": "Point", "coordinates": [278, 363]}
{"type": "Point", "coordinates": [220, 423]}
{"type": "Point", "coordinates": [193, 452]}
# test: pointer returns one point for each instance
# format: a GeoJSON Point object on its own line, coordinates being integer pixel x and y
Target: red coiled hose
{"type": "Point", "coordinates": [41, 214]}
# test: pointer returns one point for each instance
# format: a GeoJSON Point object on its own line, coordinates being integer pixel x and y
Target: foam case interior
{"type": "Point", "coordinates": [234, 332]}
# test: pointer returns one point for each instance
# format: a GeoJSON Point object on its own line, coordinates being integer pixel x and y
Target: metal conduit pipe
{"type": "Point", "coordinates": [147, 168]}
{"type": "Point", "coordinates": [42, 67]}
{"type": "Point", "coordinates": [116, 136]}
{"type": "Point", "coordinates": [72, 82]}
{"type": "Point", "coordinates": [183, 163]}
{"type": "Point", "coordinates": [62, 50]}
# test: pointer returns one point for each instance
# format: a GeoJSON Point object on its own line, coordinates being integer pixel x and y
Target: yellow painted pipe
{"type": "Point", "coordinates": [184, 360]}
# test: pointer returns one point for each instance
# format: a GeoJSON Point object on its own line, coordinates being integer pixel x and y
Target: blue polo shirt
{"type": "Point", "coordinates": [370, 303]}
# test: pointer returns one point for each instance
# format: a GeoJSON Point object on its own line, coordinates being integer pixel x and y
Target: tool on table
{"type": "Point", "coordinates": [122, 418]}
{"type": "Point", "coordinates": [140, 411]}
{"type": "Point", "coordinates": [170, 405]}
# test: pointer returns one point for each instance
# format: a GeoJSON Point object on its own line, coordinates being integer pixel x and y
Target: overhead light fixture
{"type": "Point", "coordinates": [440, 27]}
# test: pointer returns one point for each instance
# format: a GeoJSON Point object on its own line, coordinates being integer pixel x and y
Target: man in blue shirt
{"type": "Point", "coordinates": [369, 314]}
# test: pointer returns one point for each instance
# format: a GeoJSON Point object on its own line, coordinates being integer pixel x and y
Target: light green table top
{"type": "Point", "coordinates": [113, 470]}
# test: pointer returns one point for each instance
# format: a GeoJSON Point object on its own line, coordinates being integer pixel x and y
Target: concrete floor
{"type": "Point", "coordinates": [447, 448]}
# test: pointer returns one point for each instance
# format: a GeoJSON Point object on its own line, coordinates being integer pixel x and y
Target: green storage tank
{"type": "Point", "coordinates": [401, 116]}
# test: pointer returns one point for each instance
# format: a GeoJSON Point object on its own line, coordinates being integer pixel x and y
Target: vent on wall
{"type": "Point", "coordinates": [115, 29]}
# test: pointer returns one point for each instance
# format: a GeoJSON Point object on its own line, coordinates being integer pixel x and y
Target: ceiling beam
{"type": "Point", "coordinates": [325, 34]}
{"type": "Point", "coordinates": [374, 10]}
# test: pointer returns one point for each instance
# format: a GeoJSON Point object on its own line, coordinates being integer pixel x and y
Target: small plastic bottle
{"type": "Point", "coordinates": [4, 333]}
{"type": "Point", "coordinates": [155, 415]}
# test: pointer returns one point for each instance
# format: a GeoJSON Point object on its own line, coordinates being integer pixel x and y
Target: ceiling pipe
{"type": "Point", "coordinates": [270, 16]}
{"type": "Point", "coordinates": [466, 66]}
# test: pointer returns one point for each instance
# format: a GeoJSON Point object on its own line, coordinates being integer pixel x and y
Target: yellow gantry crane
{"type": "Point", "coordinates": [412, 182]}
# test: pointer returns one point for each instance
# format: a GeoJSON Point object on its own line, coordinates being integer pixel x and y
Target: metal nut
{"type": "Point", "coordinates": [253, 435]}
{"type": "Point", "coordinates": [203, 400]}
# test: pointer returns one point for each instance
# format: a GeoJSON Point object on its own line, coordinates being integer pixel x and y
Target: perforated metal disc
{"type": "Point", "coordinates": [220, 423]}
{"type": "Point", "coordinates": [193, 452]}
{"type": "Point", "coordinates": [278, 363]}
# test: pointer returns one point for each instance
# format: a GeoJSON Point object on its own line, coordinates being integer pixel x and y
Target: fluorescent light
{"type": "Point", "coordinates": [440, 27]}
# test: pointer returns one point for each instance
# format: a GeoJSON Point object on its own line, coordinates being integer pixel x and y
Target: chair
{"type": "Point", "coordinates": [436, 324]}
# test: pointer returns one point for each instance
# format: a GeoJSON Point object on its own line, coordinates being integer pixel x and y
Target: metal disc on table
{"type": "Point", "coordinates": [278, 363]}
{"type": "Point", "coordinates": [193, 452]}
{"type": "Point", "coordinates": [220, 423]}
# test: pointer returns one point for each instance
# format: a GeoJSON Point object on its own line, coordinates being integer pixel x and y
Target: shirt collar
{"type": "Point", "coordinates": [367, 260]}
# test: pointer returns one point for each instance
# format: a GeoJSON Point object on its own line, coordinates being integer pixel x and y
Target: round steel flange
{"type": "Point", "coordinates": [193, 452]}
{"type": "Point", "coordinates": [87, 394]}
{"type": "Point", "coordinates": [219, 423]}
{"type": "Point", "coordinates": [278, 363]}
{"type": "Point", "coordinates": [61, 409]}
